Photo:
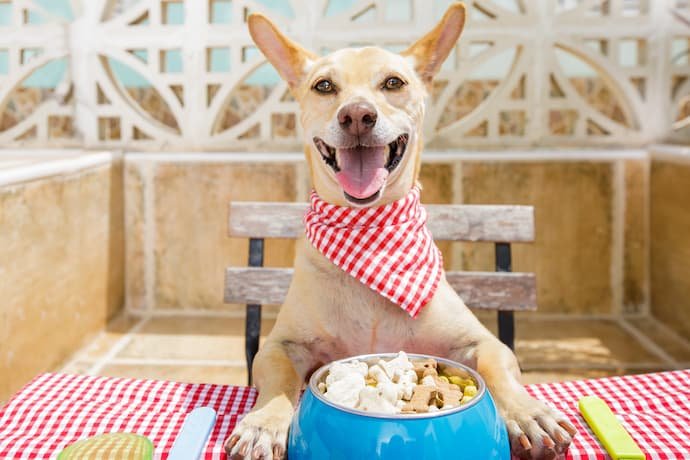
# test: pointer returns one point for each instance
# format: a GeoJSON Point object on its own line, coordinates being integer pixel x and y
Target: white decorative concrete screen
{"type": "Point", "coordinates": [184, 74]}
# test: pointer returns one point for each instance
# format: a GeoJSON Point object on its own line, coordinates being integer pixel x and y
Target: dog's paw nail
{"type": "Point", "coordinates": [524, 442]}
{"type": "Point", "coordinates": [278, 452]}
{"type": "Point", "coordinates": [244, 449]}
{"type": "Point", "coordinates": [567, 426]}
{"type": "Point", "coordinates": [258, 453]}
{"type": "Point", "coordinates": [548, 442]}
{"type": "Point", "coordinates": [230, 443]}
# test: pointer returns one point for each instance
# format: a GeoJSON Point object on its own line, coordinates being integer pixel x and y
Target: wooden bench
{"type": "Point", "coordinates": [502, 290]}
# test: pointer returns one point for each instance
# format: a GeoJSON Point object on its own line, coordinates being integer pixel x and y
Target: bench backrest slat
{"type": "Point", "coordinates": [454, 222]}
{"type": "Point", "coordinates": [483, 290]}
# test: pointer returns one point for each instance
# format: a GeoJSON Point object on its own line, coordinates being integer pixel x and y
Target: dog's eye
{"type": "Point", "coordinates": [393, 83]}
{"type": "Point", "coordinates": [324, 86]}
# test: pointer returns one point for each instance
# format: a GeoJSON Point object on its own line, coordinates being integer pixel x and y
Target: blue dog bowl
{"type": "Point", "coordinates": [321, 429]}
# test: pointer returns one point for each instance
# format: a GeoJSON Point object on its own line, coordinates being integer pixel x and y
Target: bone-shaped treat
{"type": "Point", "coordinates": [422, 397]}
{"type": "Point", "coordinates": [427, 367]}
{"type": "Point", "coordinates": [450, 394]}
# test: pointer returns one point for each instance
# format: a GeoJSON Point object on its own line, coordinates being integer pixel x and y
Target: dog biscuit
{"type": "Point", "coordinates": [426, 367]}
{"type": "Point", "coordinates": [422, 397]}
{"type": "Point", "coordinates": [450, 394]}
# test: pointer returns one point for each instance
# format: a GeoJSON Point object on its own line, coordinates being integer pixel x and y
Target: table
{"type": "Point", "coordinates": [54, 410]}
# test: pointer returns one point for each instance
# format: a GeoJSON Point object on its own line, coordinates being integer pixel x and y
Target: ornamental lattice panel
{"type": "Point", "coordinates": [184, 74]}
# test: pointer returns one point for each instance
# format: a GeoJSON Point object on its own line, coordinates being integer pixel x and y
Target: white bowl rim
{"type": "Point", "coordinates": [313, 381]}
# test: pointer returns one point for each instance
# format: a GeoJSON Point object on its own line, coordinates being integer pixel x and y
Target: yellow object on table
{"type": "Point", "coordinates": [617, 442]}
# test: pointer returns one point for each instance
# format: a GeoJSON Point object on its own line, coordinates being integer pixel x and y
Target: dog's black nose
{"type": "Point", "coordinates": [357, 118]}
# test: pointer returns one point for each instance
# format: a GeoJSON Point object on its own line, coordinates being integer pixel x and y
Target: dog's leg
{"type": "Point", "coordinates": [262, 433]}
{"type": "Point", "coordinates": [536, 431]}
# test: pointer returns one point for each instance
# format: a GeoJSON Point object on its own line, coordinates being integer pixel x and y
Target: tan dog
{"type": "Point", "coordinates": [372, 101]}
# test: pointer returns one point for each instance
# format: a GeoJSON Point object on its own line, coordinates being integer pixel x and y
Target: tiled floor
{"type": "Point", "coordinates": [211, 349]}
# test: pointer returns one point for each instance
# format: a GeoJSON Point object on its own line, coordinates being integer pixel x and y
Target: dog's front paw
{"type": "Point", "coordinates": [537, 431]}
{"type": "Point", "coordinates": [260, 435]}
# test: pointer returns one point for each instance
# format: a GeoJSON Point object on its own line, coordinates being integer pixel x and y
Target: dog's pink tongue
{"type": "Point", "coordinates": [362, 170]}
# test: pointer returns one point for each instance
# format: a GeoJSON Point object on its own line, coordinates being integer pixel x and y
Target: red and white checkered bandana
{"type": "Point", "coordinates": [388, 248]}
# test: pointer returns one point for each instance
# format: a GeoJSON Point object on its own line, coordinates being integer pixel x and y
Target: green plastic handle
{"type": "Point", "coordinates": [110, 445]}
{"type": "Point", "coordinates": [609, 430]}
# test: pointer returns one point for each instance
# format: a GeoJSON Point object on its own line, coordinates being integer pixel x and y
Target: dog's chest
{"type": "Point", "coordinates": [358, 319]}
{"type": "Point", "coordinates": [368, 323]}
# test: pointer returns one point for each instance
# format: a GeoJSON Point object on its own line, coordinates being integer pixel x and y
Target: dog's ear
{"type": "Point", "coordinates": [431, 50]}
{"type": "Point", "coordinates": [289, 59]}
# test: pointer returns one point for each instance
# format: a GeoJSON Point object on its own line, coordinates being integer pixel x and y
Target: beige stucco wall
{"type": "Point", "coordinates": [61, 268]}
{"type": "Point", "coordinates": [176, 227]}
{"type": "Point", "coordinates": [670, 231]}
{"type": "Point", "coordinates": [585, 258]}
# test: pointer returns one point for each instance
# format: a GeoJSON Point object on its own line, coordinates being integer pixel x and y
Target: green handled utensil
{"type": "Point", "coordinates": [111, 446]}
{"type": "Point", "coordinates": [609, 430]}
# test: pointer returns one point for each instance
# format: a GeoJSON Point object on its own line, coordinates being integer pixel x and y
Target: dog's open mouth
{"type": "Point", "coordinates": [362, 170]}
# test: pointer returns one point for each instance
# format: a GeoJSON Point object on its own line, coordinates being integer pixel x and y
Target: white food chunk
{"type": "Point", "coordinates": [406, 383]}
{"type": "Point", "coordinates": [396, 366]}
{"type": "Point", "coordinates": [345, 390]}
{"type": "Point", "coordinates": [371, 399]}
{"type": "Point", "coordinates": [377, 373]}
{"type": "Point", "coordinates": [388, 391]}
{"type": "Point", "coordinates": [338, 370]}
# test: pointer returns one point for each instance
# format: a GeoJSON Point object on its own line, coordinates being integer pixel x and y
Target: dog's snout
{"type": "Point", "coordinates": [357, 118]}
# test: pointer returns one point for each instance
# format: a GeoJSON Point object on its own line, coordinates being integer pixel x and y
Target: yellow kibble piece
{"type": "Point", "coordinates": [455, 380]}
{"type": "Point", "coordinates": [460, 381]}
{"type": "Point", "coordinates": [466, 399]}
{"type": "Point", "coordinates": [443, 378]}
{"type": "Point", "coordinates": [470, 391]}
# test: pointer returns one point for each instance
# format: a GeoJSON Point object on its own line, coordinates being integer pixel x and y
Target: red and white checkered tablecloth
{"type": "Point", "coordinates": [55, 410]}
{"type": "Point", "coordinates": [654, 408]}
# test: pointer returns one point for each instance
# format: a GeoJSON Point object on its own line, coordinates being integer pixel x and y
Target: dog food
{"type": "Point", "coordinates": [399, 385]}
